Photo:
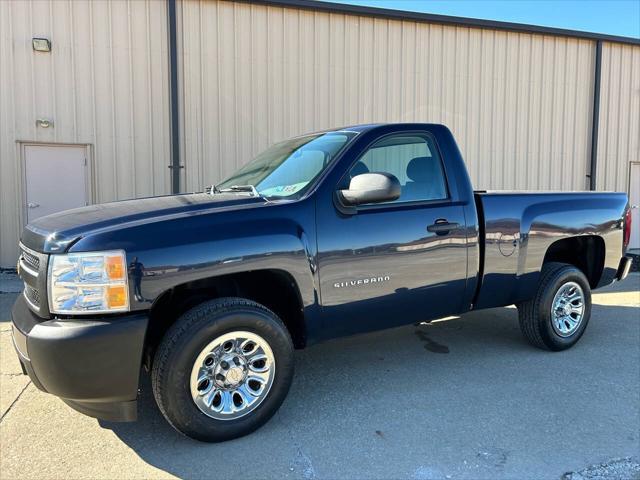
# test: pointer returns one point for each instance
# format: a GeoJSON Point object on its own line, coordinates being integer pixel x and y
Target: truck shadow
{"type": "Point", "coordinates": [395, 384]}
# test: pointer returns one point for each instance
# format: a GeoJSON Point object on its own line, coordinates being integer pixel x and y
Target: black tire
{"type": "Point", "coordinates": [181, 345]}
{"type": "Point", "coordinates": [535, 315]}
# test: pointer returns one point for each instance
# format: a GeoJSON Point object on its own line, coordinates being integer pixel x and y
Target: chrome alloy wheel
{"type": "Point", "coordinates": [232, 375]}
{"type": "Point", "coordinates": [567, 309]}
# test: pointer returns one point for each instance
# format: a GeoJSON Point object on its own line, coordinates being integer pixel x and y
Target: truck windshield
{"type": "Point", "coordinates": [287, 168]}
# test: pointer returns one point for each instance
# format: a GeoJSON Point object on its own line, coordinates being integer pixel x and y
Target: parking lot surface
{"type": "Point", "coordinates": [462, 398]}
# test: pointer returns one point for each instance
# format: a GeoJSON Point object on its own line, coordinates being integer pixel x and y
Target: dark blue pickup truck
{"type": "Point", "coordinates": [328, 234]}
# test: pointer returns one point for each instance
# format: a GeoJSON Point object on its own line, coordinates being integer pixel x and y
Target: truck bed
{"type": "Point", "coordinates": [521, 229]}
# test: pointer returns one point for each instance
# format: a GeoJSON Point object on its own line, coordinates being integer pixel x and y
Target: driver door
{"type": "Point", "coordinates": [393, 263]}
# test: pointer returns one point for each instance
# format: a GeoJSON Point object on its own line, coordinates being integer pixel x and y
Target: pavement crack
{"type": "Point", "coordinates": [14, 401]}
{"type": "Point", "coordinates": [301, 462]}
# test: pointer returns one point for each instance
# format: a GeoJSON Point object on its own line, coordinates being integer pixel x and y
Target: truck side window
{"type": "Point", "coordinates": [413, 159]}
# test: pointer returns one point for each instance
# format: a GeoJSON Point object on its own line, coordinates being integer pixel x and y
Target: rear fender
{"type": "Point", "coordinates": [520, 228]}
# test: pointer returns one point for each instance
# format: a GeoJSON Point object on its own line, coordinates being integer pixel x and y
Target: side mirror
{"type": "Point", "coordinates": [370, 188]}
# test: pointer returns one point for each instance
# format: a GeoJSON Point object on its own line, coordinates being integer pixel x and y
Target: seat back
{"type": "Point", "coordinates": [426, 180]}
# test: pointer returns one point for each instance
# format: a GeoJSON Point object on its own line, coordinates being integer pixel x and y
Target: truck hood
{"type": "Point", "coordinates": [54, 233]}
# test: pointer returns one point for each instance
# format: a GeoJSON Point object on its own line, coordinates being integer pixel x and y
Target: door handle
{"type": "Point", "coordinates": [442, 226]}
{"type": "Point", "coordinates": [33, 205]}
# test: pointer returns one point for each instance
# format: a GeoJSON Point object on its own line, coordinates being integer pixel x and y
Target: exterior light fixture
{"type": "Point", "coordinates": [44, 123]}
{"type": "Point", "coordinates": [41, 44]}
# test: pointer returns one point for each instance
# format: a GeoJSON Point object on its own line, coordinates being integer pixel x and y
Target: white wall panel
{"type": "Point", "coordinates": [619, 127]}
{"type": "Point", "coordinates": [519, 104]}
{"type": "Point", "coordinates": [105, 83]}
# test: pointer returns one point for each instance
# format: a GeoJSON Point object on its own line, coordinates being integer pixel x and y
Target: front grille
{"type": "Point", "coordinates": [31, 260]}
{"type": "Point", "coordinates": [32, 295]}
{"type": "Point", "coordinates": [33, 271]}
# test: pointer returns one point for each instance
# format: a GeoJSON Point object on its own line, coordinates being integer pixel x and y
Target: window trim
{"type": "Point", "coordinates": [397, 204]}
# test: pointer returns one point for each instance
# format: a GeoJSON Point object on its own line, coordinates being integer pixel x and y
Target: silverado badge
{"type": "Point", "coordinates": [361, 281]}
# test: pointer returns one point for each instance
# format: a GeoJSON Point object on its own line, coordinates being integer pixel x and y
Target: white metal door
{"type": "Point", "coordinates": [56, 178]}
{"type": "Point", "coordinates": [634, 200]}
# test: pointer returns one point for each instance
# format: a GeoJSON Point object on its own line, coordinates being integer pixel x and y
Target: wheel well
{"type": "Point", "coordinates": [584, 252]}
{"type": "Point", "coordinates": [275, 289]}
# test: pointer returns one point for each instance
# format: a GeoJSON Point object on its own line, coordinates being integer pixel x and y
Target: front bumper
{"type": "Point", "coordinates": [93, 365]}
{"type": "Point", "coordinates": [623, 268]}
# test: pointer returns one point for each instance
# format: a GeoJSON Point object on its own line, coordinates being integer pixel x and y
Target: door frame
{"type": "Point", "coordinates": [22, 172]}
{"type": "Point", "coordinates": [631, 164]}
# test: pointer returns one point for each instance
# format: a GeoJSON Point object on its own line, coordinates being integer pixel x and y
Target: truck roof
{"type": "Point", "coordinates": [365, 127]}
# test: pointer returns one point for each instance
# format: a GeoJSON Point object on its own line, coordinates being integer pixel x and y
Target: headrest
{"type": "Point", "coordinates": [358, 169]}
{"type": "Point", "coordinates": [420, 169]}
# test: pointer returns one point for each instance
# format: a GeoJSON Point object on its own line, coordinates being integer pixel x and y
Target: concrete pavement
{"type": "Point", "coordinates": [462, 398]}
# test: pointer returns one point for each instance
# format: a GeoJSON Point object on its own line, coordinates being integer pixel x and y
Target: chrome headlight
{"type": "Point", "coordinates": [88, 283]}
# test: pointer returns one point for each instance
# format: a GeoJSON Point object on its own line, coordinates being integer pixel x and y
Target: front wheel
{"type": "Point", "coordinates": [558, 315]}
{"type": "Point", "coordinates": [223, 369]}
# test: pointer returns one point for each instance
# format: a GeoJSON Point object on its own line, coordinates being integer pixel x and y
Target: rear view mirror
{"type": "Point", "coordinates": [370, 188]}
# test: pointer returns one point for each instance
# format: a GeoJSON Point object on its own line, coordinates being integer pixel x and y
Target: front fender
{"type": "Point", "coordinates": [166, 254]}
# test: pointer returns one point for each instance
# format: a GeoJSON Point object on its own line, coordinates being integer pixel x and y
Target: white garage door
{"type": "Point", "coordinates": [56, 178]}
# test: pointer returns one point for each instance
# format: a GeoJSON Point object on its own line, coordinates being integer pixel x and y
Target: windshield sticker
{"type": "Point", "coordinates": [284, 189]}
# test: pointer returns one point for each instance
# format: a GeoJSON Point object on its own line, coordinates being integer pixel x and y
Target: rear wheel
{"type": "Point", "coordinates": [223, 369]}
{"type": "Point", "coordinates": [558, 315]}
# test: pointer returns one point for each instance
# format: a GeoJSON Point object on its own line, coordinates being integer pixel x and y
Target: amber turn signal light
{"type": "Point", "coordinates": [116, 296]}
{"type": "Point", "coordinates": [115, 267]}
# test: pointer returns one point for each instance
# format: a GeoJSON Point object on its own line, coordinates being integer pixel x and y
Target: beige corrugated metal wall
{"type": "Point", "coordinates": [105, 83]}
{"type": "Point", "coordinates": [519, 104]}
{"type": "Point", "coordinates": [619, 127]}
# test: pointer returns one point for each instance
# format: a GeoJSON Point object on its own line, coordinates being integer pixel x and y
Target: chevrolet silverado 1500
{"type": "Point", "coordinates": [324, 235]}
